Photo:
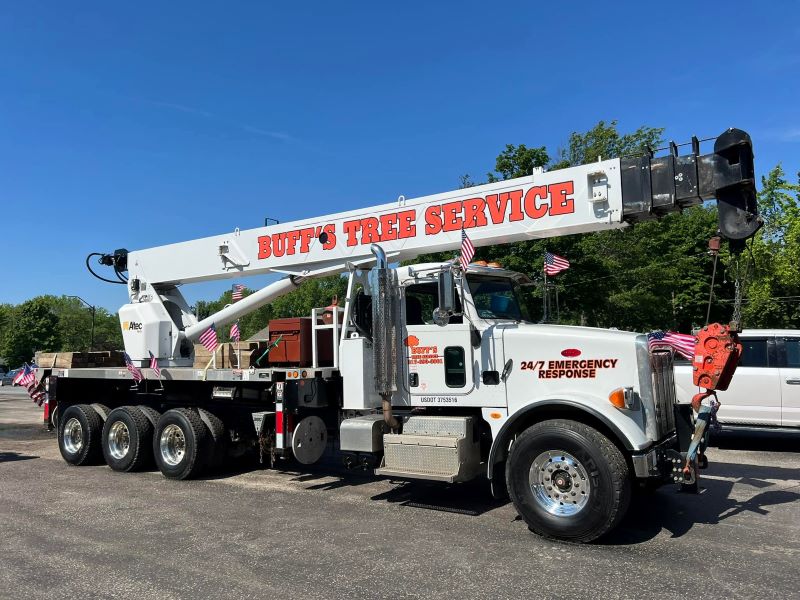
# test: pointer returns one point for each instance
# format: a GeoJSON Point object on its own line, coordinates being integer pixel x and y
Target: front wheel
{"type": "Point", "coordinates": [568, 481]}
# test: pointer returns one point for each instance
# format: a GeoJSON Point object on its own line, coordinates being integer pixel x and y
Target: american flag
{"type": "Point", "coordinates": [467, 250]}
{"type": "Point", "coordinates": [27, 378]}
{"type": "Point", "coordinates": [209, 339]}
{"type": "Point", "coordinates": [154, 365]}
{"type": "Point", "coordinates": [235, 333]}
{"type": "Point", "coordinates": [135, 371]}
{"type": "Point", "coordinates": [682, 343]}
{"type": "Point", "coordinates": [554, 264]}
{"type": "Point", "coordinates": [237, 292]}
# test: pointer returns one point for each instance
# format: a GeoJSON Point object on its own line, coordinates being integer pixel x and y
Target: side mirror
{"type": "Point", "coordinates": [447, 298]}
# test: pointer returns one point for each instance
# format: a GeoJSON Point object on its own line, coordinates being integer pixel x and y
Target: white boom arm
{"type": "Point", "coordinates": [603, 195]}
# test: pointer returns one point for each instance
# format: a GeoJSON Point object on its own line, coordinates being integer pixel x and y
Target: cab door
{"type": "Point", "coordinates": [443, 364]}
{"type": "Point", "coordinates": [790, 380]}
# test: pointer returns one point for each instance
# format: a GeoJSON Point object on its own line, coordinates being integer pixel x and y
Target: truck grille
{"type": "Point", "coordinates": [663, 391]}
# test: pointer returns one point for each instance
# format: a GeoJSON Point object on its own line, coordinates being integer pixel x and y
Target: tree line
{"type": "Point", "coordinates": [653, 275]}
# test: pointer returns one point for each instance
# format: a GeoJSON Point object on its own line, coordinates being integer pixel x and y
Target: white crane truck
{"type": "Point", "coordinates": [436, 371]}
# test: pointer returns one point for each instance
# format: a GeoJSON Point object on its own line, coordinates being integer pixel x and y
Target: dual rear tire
{"type": "Point", "coordinates": [182, 442]}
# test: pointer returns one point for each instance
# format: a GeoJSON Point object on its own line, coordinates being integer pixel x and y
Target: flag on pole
{"type": "Point", "coordinates": [467, 250]}
{"type": "Point", "coordinates": [237, 292]}
{"type": "Point", "coordinates": [682, 343]}
{"type": "Point", "coordinates": [154, 365]}
{"type": "Point", "coordinates": [554, 264]}
{"type": "Point", "coordinates": [235, 333]}
{"type": "Point", "coordinates": [25, 377]}
{"type": "Point", "coordinates": [134, 370]}
{"type": "Point", "coordinates": [209, 339]}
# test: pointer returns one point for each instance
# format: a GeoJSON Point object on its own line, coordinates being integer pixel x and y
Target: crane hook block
{"type": "Point", "coordinates": [716, 355]}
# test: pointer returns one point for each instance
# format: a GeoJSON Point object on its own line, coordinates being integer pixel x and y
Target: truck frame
{"type": "Point", "coordinates": [430, 371]}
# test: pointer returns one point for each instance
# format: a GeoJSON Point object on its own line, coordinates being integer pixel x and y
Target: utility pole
{"type": "Point", "coordinates": [93, 310]}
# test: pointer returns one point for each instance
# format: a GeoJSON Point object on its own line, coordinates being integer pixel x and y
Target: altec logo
{"type": "Point", "coordinates": [531, 203]}
{"type": "Point", "coordinates": [131, 326]}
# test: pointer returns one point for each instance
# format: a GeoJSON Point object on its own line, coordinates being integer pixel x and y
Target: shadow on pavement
{"type": "Point", "coordinates": [472, 498]}
{"type": "Point", "coordinates": [677, 512]}
{"type": "Point", "coordinates": [14, 456]}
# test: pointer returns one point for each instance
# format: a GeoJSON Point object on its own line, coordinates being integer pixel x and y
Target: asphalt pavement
{"type": "Point", "coordinates": [290, 533]}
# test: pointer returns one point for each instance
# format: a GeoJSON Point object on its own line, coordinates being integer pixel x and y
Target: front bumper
{"type": "Point", "coordinates": [656, 462]}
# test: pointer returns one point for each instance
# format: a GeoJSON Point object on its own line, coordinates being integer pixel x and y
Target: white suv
{"type": "Point", "coordinates": [765, 390]}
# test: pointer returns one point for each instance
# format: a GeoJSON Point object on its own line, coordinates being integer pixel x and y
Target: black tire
{"type": "Point", "coordinates": [186, 439]}
{"type": "Point", "coordinates": [151, 413]}
{"type": "Point", "coordinates": [127, 439]}
{"type": "Point", "coordinates": [216, 449]}
{"type": "Point", "coordinates": [102, 410]}
{"type": "Point", "coordinates": [79, 435]}
{"type": "Point", "coordinates": [595, 512]}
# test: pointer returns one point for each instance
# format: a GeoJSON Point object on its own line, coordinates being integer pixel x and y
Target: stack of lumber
{"type": "Point", "coordinates": [75, 360]}
{"type": "Point", "coordinates": [227, 355]}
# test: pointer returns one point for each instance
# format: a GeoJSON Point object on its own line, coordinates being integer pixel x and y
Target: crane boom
{"type": "Point", "coordinates": [607, 194]}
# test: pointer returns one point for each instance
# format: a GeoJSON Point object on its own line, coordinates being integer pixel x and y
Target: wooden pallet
{"type": "Point", "coordinates": [74, 360]}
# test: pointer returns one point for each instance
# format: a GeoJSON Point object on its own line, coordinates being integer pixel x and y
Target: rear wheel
{"type": "Point", "coordinates": [180, 443]}
{"type": "Point", "coordinates": [79, 435]}
{"type": "Point", "coordinates": [216, 448]}
{"type": "Point", "coordinates": [127, 439]}
{"type": "Point", "coordinates": [568, 481]}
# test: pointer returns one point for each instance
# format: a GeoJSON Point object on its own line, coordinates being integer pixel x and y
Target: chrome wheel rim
{"type": "Point", "coordinates": [560, 483]}
{"type": "Point", "coordinates": [172, 444]}
{"type": "Point", "coordinates": [72, 436]}
{"type": "Point", "coordinates": [119, 440]}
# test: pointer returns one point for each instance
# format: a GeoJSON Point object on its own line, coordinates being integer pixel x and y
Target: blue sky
{"type": "Point", "coordinates": [143, 123]}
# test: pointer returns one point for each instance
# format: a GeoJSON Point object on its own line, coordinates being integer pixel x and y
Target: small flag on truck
{"type": "Point", "coordinates": [682, 343]}
{"type": "Point", "coordinates": [134, 370]}
{"type": "Point", "coordinates": [467, 250]}
{"type": "Point", "coordinates": [154, 365]}
{"type": "Point", "coordinates": [209, 339]}
{"type": "Point", "coordinates": [27, 378]}
{"type": "Point", "coordinates": [235, 333]}
{"type": "Point", "coordinates": [554, 264]}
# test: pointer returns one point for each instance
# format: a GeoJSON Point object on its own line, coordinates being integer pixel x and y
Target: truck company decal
{"type": "Point", "coordinates": [534, 202]}
{"type": "Point", "coordinates": [131, 326]}
{"type": "Point", "coordinates": [438, 399]}
{"type": "Point", "coordinates": [422, 355]}
{"type": "Point", "coordinates": [569, 369]}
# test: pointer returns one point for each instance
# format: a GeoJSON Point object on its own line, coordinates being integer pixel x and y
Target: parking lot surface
{"type": "Point", "coordinates": [307, 533]}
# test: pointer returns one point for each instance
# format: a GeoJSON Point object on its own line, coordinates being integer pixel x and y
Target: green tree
{"type": "Point", "coordinates": [773, 293]}
{"type": "Point", "coordinates": [604, 141]}
{"type": "Point", "coordinates": [515, 161]}
{"type": "Point", "coordinates": [33, 326]}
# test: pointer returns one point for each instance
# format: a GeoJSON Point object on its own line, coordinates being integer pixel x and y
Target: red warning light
{"type": "Point", "coordinates": [570, 352]}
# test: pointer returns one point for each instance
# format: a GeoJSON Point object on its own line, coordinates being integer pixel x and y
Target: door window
{"type": "Point", "coordinates": [421, 300]}
{"type": "Point", "coordinates": [455, 371]}
{"type": "Point", "coordinates": [792, 346]}
{"type": "Point", "coordinates": [754, 353]}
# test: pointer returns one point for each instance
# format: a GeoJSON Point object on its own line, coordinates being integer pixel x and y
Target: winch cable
{"type": "Point", "coordinates": [713, 250]}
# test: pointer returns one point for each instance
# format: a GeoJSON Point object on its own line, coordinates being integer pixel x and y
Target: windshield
{"type": "Point", "coordinates": [497, 298]}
